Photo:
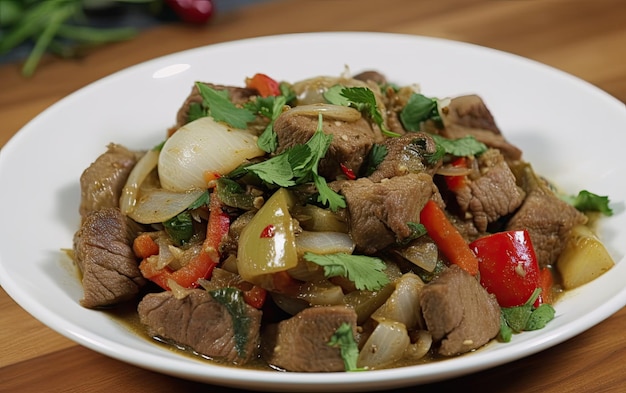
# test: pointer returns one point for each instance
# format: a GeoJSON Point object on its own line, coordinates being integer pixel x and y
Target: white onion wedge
{"type": "Point", "coordinates": [159, 205]}
{"type": "Point", "coordinates": [403, 304]}
{"type": "Point", "coordinates": [139, 173]}
{"type": "Point", "coordinates": [203, 147]}
{"type": "Point", "coordinates": [384, 346]}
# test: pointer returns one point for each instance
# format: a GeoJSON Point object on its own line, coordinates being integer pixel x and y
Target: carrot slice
{"type": "Point", "coordinates": [448, 238]}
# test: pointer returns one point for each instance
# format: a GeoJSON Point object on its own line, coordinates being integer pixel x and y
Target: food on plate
{"type": "Point", "coordinates": [331, 224]}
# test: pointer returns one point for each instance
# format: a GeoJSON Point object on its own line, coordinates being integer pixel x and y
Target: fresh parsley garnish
{"type": "Point", "coordinates": [270, 107]}
{"type": "Point", "coordinates": [216, 104]}
{"type": "Point", "coordinates": [462, 147]}
{"type": "Point", "coordinates": [344, 339]}
{"type": "Point", "coordinates": [418, 109]}
{"type": "Point", "coordinates": [366, 272]}
{"type": "Point", "coordinates": [298, 165]}
{"type": "Point", "coordinates": [525, 317]}
{"type": "Point", "coordinates": [587, 201]}
{"type": "Point", "coordinates": [361, 99]}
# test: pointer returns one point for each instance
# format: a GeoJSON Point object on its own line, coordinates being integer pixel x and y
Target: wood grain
{"type": "Point", "coordinates": [584, 38]}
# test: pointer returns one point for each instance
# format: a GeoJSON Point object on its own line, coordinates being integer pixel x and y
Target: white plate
{"type": "Point", "coordinates": [571, 131]}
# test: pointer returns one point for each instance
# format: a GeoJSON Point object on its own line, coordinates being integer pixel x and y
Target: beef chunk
{"type": "Point", "coordinates": [103, 252]}
{"type": "Point", "coordinates": [406, 154]}
{"type": "Point", "coordinates": [468, 115]}
{"type": "Point", "coordinates": [202, 323]}
{"type": "Point", "coordinates": [102, 182]}
{"type": "Point", "coordinates": [546, 217]}
{"type": "Point", "coordinates": [379, 212]}
{"type": "Point", "coordinates": [237, 95]}
{"type": "Point", "coordinates": [458, 311]}
{"type": "Point", "coordinates": [351, 142]}
{"type": "Point", "coordinates": [373, 76]}
{"type": "Point", "coordinates": [492, 193]}
{"type": "Point", "coordinates": [300, 343]}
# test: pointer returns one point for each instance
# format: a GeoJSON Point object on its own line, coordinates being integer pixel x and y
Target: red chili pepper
{"type": "Point", "coordinates": [265, 85]}
{"type": "Point", "coordinates": [201, 266]}
{"type": "Point", "coordinates": [348, 172]}
{"type": "Point", "coordinates": [455, 183]}
{"type": "Point", "coordinates": [447, 238]}
{"type": "Point", "coordinates": [546, 282]}
{"type": "Point", "coordinates": [192, 11]}
{"type": "Point", "coordinates": [508, 266]}
{"type": "Point", "coordinates": [268, 232]}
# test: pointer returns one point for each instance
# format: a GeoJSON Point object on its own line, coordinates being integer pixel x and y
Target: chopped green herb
{"type": "Point", "coordinates": [344, 339]}
{"type": "Point", "coordinates": [218, 105]}
{"type": "Point", "coordinates": [419, 146]}
{"type": "Point", "coordinates": [232, 194]}
{"type": "Point", "coordinates": [525, 317]}
{"type": "Point", "coordinates": [298, 165]}
{"type": "Point", "coordinates": [587, 201]}
{"type": "Point", "coordinates": [196, 111]}
{"type": "Point", "coordinates": [462, 147]}
{"type": "Point", "coordinates": [179, 228]}
{"type": "Point", "coordinates": [418, 109]}
{"type": "Point", "coordinates": [417, 230]}
{"type": "Point", "coordinates": [270, 107]}
{"type": "Point", "coordinates": [361, 99]}
{"type": "Point", "coordinates": [376, 155]}
{"type": "Point", "coordinates": [366, 272]}
{"type": "Point", "coordinates": [232, 299]}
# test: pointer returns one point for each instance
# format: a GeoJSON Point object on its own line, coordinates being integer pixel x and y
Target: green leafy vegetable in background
{"type": "Point", "coordinates": [587, 201]}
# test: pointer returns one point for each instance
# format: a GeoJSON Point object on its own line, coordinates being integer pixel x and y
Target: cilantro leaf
{"type": "Point", "coordinates": [366, 272]}
{"type": "Point", "coordinates": [298, 165]}
{"type": "Point", "coordinates": [361, 99]}
{"type": "Point", "coordinates": [344, 339]}
{"type": "Point", "coordinates": [221, 108]}
{"type": "Point", "coordinates": [376, 155]}
{"type": "Point", "coordinates": [587, 201]}
{"type": "Point", "coordinates": [462, 147]}
{"type": "Point", "coordinates": [195, 112]}
{"type": "Point", "coordinates": [270, 107]}
{"type": "Point", "coordinates": [418, 109]}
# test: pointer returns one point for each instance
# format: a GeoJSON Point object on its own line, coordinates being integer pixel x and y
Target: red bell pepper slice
{"type": "Point", "coordinates": [447, 238]}
{"type": "Point", "coordinates": [265, 85]}
{"type": "Point", "coordinates": [455, 183]}
{"type": "Point", "coordinates": [508, 266]}
{"type": "Point", "coordinates": [201, 266]}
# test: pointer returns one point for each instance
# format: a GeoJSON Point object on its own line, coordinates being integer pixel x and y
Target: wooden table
{"type": "Point", "coordinates": [584, 38]}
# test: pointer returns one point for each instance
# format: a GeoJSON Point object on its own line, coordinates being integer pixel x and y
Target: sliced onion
{"type": "Point", "coordinates": [422, 341]}
{"type": "Point", "coordinates": [421, 253]}
{"type": "Point", "coordinates": [385, 345]}
{"type": "Point", "coordinates": [159, 205]}
{"type": "Point", "coordinates": [403, 304]}
{"type": "Point", "coordinates": [335, 112]}
{"type": "Point", "coordinates": [141, 170]}
{"type": "Point", "coordinates": [203, 147]}
{"type": "Point", "coordinates": [324, 242]}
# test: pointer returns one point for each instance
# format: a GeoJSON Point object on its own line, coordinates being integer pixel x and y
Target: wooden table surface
{"type": "Point", "coordinates": [584, 38]}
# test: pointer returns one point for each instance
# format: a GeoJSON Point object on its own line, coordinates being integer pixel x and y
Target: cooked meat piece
{"type": "Point", "coordinates": [103, 252]}
{"type": "Point", "coordinates": [459, 312]}
{"type": "Point", "coordinates": [300, 343]}
{"type": "Point", "coordinates": [102, 182]}
{"type": "Point", "coordinates": [468, 115]}
{"type": "Point", "coordinates": [492, 194]}
{"type": "Point", "coordinates": [379, 212]}
{"type": "Point", "coordinates": [373, 76]}
{"type": "Point", "coordinates": [202, 323]}
{"type": "Point", "coordinates": [406, 154]}
{"type": "Point", "coordinates": [237, 95]}
{"type": "Point", "coordinates": [546, 217]}
{"type": "Point", "coordinates": [351, 142]}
